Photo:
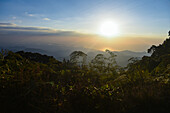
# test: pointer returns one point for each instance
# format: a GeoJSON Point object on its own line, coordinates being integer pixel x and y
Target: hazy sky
{"type": "Point", "coordinates": [141, 23]}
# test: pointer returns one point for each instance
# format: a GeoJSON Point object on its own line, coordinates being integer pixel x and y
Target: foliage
{"type": "Point", "coordinates": [75, 58]}
{"type": "Point", "coordinates": [157, 64]}
{"type": "Point", "coordinates": [35, 83]}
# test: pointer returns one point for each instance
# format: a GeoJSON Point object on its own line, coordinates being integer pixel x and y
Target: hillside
{"type": "Point", "coordinates": [35, 83]}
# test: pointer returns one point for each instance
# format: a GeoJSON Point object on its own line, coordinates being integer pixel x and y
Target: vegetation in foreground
{"type": "Point", "coordinates": [35, 83]}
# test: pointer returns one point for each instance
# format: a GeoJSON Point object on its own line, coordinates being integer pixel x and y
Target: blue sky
{"type": "Point", "coordinates": [134, 17]}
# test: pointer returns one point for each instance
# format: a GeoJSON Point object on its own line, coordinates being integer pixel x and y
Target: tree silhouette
{"type": "Point", "coordinates": [78, 58]}
{"type": "Point", "coordinates": [112, 64]}
{"type": "Point", "coordinates": [99, 62]}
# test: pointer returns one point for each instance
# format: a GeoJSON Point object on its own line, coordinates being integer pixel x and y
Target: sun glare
{"type": "Point", "coordinates": [108, 29]}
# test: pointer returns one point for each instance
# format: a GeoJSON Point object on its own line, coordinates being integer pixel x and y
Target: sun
{"type": "Point", "coordinates": [108, 29]}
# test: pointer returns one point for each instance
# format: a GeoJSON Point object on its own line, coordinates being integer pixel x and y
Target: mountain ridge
{"type": "Point", "coordinates": [63, 53]}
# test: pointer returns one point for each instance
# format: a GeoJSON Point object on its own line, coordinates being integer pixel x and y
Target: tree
{"type": "Point", "coordinates": [99, 62]}
{"type": "Point", "coordinates": [112, 64]}
{"type": "Point", "coordinates": [3, 53]}
{"type": "Point", "coordinates": [106, 64]}
{"type": "Point", "coordinates": [152, 49]}
{"type": "Point", "coordinates": [78, 58]}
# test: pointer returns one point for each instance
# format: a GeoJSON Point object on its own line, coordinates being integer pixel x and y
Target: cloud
{"type": "Point", "coordinates": [7, 24]}
{"type": "Point", "coordinates": [31, 15]}
{"type": "Point", "coordinates": [46, 19]}
{"type": "Point", "coordinates": [14, 34]}
{"type": "Point", "coordinates": [28, 14]}
{"type": "Point", "coordinates": [13, 29]}
{"type": "Point", "coordinates": [10, 26]}
{"type": "Point", "coordinates": [14, 17]}
{"type": "Point", "coordinates": [34, 15]}
{"type": "Point", "coordinates": [22, 28]}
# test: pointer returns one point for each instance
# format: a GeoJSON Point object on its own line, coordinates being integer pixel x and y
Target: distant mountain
{"type": "Point", "coordinates": [122, 56]}
{"type": "Point", "coordinates": [23, 48]}
{"type": "Point", "coordinates": [61, 51]}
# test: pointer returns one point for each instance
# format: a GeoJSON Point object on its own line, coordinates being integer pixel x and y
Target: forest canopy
{"type": "Point", "coordinates": [35, 83]}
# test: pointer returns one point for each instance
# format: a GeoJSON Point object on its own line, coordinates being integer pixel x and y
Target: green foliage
{"type": "Point", "coordinates": [157, 64]}
{"type": "Point", "coordinates": [35, 83]}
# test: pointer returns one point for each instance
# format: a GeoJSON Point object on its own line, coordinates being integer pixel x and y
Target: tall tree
{"type": "Point", "coordinates": [78, 58]}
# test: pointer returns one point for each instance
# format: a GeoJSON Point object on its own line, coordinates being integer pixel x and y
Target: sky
{"type": "Point", "coordinates": [141, 23]}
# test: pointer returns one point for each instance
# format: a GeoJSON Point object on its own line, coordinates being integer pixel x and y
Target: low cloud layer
{"type": "Point", "coordinates": [9, 28]}
{"type": "Point", "coordinates": [12, 34]}
{"type": "Point", "coordinates": [7, 24]}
